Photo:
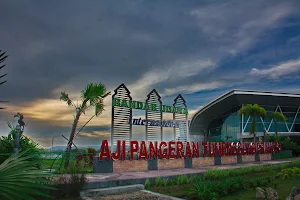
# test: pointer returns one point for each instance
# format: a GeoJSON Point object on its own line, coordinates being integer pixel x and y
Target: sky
{"type": "Point", "coordinates": [200, 49]}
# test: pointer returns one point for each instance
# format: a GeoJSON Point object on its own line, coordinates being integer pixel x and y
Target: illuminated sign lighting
{"type": "Point", "coordinates": [149, 122]}
{"type": "Point", "coordinates": [176, 149]}
{"type": "Point", "coordinates": [146, 106]}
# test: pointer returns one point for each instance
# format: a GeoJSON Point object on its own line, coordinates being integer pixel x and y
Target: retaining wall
{"type": "Point", "coordinates": [118, 166]}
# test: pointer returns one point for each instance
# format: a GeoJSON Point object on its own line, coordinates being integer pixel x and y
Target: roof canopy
{"type": "Point", "coordinates": [233, 98]}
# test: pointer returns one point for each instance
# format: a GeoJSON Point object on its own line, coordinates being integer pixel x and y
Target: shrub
{"type": "Point", "coordinates": [20, 180]}
{"type": "Point", "coordinates": [90, 153]}
{"type": "Point", "coordinates": [73, 168]}
{"type": "Point", "coordinates": [211, 190]}
{"type": "Point", "coordinates": [285, 141]}
{"type": "Point", "coordinates": [296, 151]}
{"type": "Point", "coordinates": [158, 182]}
{"type": "Point", "coordinates": [289, 172]}
{"type": "Point", "coordinates": [217, 174]}
{"type": "Point", "coordinates": [180, 180]}
{"type": "Point", "coordinates": [70, 181]}
{"type": "Point", "coordinates": [147, 184]}
{"type": "Point", "coordinates": [26, 144]}
{"type": "Point", "coordinates": [69, 185]}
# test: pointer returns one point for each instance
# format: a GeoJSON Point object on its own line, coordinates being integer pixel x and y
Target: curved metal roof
{"type": "Point", "coordinates": [233, 98]}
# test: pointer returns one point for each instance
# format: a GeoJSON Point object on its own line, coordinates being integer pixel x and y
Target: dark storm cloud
{"type": "Point", "coordinates": [54, 43]}
{"type": "Point", "coordinates": [63, 44]}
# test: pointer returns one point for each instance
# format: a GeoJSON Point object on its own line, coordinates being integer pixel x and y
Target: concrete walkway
{"type": "Point", "coordinates": [104, 180]}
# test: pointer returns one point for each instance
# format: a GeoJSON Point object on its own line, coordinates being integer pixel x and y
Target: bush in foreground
{"type": "Point", "coordinates": [7, 144]}
{"type": "Point", "coordinates": [20, 180]}
{"type": "Point", "coordinates": [69, 182]}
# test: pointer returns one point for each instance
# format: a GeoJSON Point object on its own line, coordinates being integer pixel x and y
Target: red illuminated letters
{"type": "Point", "coordinates": [176, 149]}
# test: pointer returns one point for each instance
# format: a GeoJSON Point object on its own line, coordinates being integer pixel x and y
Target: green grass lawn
{"type": "Point", "coordinates": [59, 164]}
{"type": "Point", "coordinates": [283, 187]}
{"type": "Point", "coordinates": [180, 191]}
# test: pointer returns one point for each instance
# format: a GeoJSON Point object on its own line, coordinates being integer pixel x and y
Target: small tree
{"type": "Point", "coordinates": [252, 111]}
{"type": "Point", "coordinates": [93, 95]}
{"type": "Point", "coordinates": [3, 56]}
{"type": "Point", "coordinates": [277, 117]}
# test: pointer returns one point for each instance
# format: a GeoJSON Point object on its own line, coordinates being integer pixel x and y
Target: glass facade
{"type": "Point", "coordinates": [228, 125]}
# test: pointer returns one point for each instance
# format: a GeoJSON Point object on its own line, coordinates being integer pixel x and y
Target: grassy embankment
{"type": "Point", "coordinates": [228, 184]}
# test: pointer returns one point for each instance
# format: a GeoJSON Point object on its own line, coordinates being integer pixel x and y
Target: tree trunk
{"type": "Point", "coordinates": [276, 128]}
{"type": "Point", "coordinates": [72, 134]}
{"type": "Point", "coordinates": [252, 128]}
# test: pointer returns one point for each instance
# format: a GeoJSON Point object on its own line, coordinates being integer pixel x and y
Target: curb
{"type": "Point", "coordinates": [162, 195]}
{"type": "Point", "coordinates": [86, 194]}
{"type": "Point", "coordinates": [90, 194]}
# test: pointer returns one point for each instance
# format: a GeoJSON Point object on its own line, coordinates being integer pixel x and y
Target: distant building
{"type": "Point", "coordinates": [220, 119]}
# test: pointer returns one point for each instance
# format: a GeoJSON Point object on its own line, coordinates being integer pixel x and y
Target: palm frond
{"type": "Point", "coordinates": [3, 57]}
{"type": "Point", "coordinates": [252, 110]}
{"type": "Point", "coordinates": [3, 75]}
{"type": "Point", "coordinates": [94, 92]}
{"type": "Point", "coordinates": [259, 111]}
{"type": "Point", "coordinates": [99, 107]}
{"type": "Point", "coordinates": [2, 82]}
{"type": "Point", "coordinates": [277, 116]}
{"type": "Point", "coordinates": [107, 94]}
{"type": "Point", "coordinates": [65, 97]}
{"type": "Point", "coordinates": [9, 125]}
{"type": "Point", "coordinates": [83, 107]}
{"type": "Point", "coordinates": [245, 110]}
{"type": "Point", "coordinates": [2, 66]}
{"type": "Point", "coordinates": [19, 180]}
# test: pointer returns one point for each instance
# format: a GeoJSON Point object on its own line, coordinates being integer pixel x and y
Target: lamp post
{"type": "Point", "coordinates": [17, 139]}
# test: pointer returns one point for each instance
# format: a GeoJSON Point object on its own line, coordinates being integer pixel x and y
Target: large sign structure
{"type": "Point", "coordinates": [172, 149]}
{"type": "Point", "coordinates": [122, 119]}
{"type": "Point", "coordinates": [125, 153]}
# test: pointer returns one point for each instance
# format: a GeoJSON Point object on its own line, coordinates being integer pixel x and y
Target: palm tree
{"type": "Point", "coordinates": [93, 95]}
{"type": "Point", "coordinates": [277, 117]}
{"type": "Point", "coordinates": [3, 56]}
{"type": "Point", "coordinates": [253, 111]}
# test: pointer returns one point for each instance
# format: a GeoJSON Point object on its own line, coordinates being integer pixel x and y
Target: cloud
{"type": "Point", "coordinates": [173, 47]}
{"type": "Point", "coordinates": [56, 112]}
{"type": "Point", "coordinates": [95, 134]}
{"type": "Point", "coordinates": [291, 67]}
{"type": "Point", "coordinates": [192, 112]}
{"type": "Point", "coordinates": [237, 26]}
{"type": "Point", "coordinates": [173, 72]}
{"type": "Point", "coordinates": [188, 89]}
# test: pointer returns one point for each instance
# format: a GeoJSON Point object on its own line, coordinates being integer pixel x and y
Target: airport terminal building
{"type": "Point", "coordinates": [219, 119]}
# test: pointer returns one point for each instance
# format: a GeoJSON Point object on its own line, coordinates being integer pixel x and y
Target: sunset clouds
{"type": "Point", "coordinates": [199, 49]}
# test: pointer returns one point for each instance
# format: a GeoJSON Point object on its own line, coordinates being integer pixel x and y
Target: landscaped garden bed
{"type": "Point", "coordinates": [227, 184]}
